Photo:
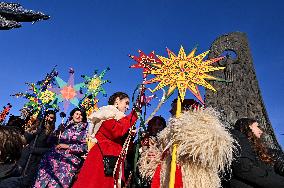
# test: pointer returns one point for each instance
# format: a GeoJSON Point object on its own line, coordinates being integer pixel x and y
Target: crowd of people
{"type": "Point", "coordinates": [99, 150]}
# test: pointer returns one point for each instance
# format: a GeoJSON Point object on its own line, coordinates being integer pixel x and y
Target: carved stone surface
{"type": "Point", "coordinates": [13, 13]}
{"type": "Point", "coordinates": [241, 97]}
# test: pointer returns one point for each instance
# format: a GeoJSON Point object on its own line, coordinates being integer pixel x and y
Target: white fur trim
{"type": "Point", "coordinates": [102, 114]}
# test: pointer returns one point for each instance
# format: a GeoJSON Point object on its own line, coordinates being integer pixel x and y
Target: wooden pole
{"type": "Point", "coordinates": [174, 152]}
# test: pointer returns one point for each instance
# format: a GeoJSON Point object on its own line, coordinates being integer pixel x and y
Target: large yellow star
{"type": "Point", "coordinates": [184, 72]}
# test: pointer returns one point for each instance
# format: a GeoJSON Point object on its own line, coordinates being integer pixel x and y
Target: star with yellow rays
{"type": "Point", "coordinates": [184, 72]}
{"type": "Point", "coordinates": [94, 83]}
{"type": "Point", "coordinates": [47, 96]}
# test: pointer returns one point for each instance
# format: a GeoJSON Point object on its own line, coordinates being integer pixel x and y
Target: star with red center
{"type": "Point", "coordinates": [68, 92]}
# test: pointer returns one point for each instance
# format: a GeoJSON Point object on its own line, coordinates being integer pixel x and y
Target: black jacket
{"type": "Point", "coordinates": [38, 145]}
{"type": "Point", "coordinates": [10, 176]}
{"type": "Point", "coordinates": [250, 172]}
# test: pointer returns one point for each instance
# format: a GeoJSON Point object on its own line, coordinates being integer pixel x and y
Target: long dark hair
{"type": "Point", "coordinates": [16, 121]}
{"type": "Point", "coordinates": [11, 144]}
{"type": "Point", "coordinates": [50, 127]}
{"type": "Point", "coordinates": [113, 97]}
{"type": "Point", "coordinates": [243, 126]}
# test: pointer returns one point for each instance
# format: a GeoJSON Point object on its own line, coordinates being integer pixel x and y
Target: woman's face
{"type": "Point", "coordinates": [77, 117]}
{"type": "Point", "coordinates": [256, 130]}
{"type": "Point", "coordinates": [122, 104]}
{"type": "Point", "coordinates": [50, 118]}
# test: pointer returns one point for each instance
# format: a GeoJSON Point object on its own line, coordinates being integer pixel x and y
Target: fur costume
{"type": "Point", "coordinates": [205, 148]}
{"type": "Point", "coordinates": [150, 157]}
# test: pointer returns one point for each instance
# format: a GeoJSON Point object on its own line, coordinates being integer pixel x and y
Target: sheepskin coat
{"type": "Point", "coordinates": [205, 149]}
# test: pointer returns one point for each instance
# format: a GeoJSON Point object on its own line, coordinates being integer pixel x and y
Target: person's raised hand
{"type": "Point", "coordinates": [62, 146]}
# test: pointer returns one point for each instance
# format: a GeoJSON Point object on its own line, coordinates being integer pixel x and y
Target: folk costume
{"type": "Point", "coordinates": [59, 166]}
{"type": "Point", "coordinates": [205, 149]}
{"type": "Point", "coordinates": [110, 126]}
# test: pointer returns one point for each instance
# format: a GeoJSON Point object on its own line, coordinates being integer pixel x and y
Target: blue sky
{"type": "Point", "coordinates": [88, 35]}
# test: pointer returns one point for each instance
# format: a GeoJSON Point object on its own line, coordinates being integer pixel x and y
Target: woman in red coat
{"type": "Point", "coordinates": [110, 125]}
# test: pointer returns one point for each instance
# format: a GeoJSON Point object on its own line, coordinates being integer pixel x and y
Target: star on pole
{"type": "Point", "coordinates": [184, 72]}
{"type": "Point", "coordinates": [94, 87]}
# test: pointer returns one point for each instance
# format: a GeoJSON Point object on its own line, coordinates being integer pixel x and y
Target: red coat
{"type": "Point", "coordinates": [109, 137]}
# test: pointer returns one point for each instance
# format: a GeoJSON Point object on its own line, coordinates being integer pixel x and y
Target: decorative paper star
{"type": "Point", "coordinates": [47, 96]}
{"type": "Point", "coordinates": [67, 92]}
{"type": "Point", "coordinates": [38, 97]}
{"type": "Point", "coordinates": [94, 87]}
{"type": "Point", "coordinates": [146, 62]}
{"type": "Point", "coordinates": [94, 84]}
{"type": "Point", "coordinates": [5, 112]}
{"type": "Point", "coordinates": [90, 104]}
{"type": "Point", "coordinates": [184, 72]}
